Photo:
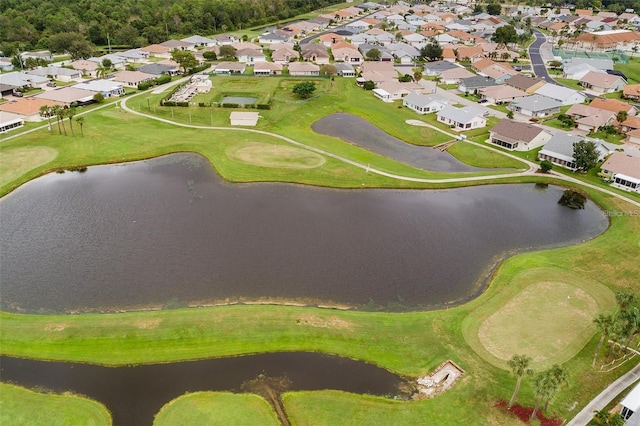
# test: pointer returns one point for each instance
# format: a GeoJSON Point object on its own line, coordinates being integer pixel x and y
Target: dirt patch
{"type": "Point", "coordinates": [331, 322]}
{"type": "Point", "coordinates": [148, 324]}
{"type": "Point", "coordinates": [55, 327]}
{"type": "Point", "coordinates": [268, 155]}
{"type": "Point", "coordinates": [15, 162]}
{"type": "Point", "coordinates": [441, 379]}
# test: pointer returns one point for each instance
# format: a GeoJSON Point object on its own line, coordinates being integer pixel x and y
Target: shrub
{"type": "Point", "coordinates": [230, 106]}
{"type": "Point", "coordinates": [263, 106]}
{"type": "Point", "coordinates": [546, 166]}
{"type": "Point", "coordinates": [144, 86]}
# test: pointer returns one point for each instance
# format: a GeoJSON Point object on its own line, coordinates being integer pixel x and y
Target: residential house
{"type": "Point", "coordinates": [133, 56]}
{"type": "Point", "coordinates": [315, 53]}
{"type": "Point", "coordinates": [86, 67]}
{"type": "Point", "coordinates": [117, 62]}
{"type": "Point", "coordinates": [378, 72]}
{"type": "Point", "coordinates": [623, 171]}
{"type": "Point", "coordinates": [344, 69]}
{"type": "Point", "coordinates": [499, 73]}
{"type": "Point", "coordinates": [525, 83]}
{"type": "Point", "coordinates": [199, 41]}
{"type": "Point", "coordinates": [132, 78]}
{"type": "Point", "coordinates": [474, 84]}
{"type": "Point", "coordinates": [390, 91]}
{"type": "Point", "coordinates": [535, 106]}
{"type": "Point", "coordinates": [424, 104]}
{"type": "Point", "coordinates": [403, 52]}
{"type": "Point", "coordinates": [284, 55]}
{"type": "Point", "coordinates": [577, 71]}
{"type": "Point", "coordinates": [10, 121]}
{"type": "Point", "coordinates": [28, 108]}
{"type": "Point", "coordinates": [432, 69]}
{"type": "Point", "coordinates": [559, 149]}
{"type": "Point", "coordinates": [330, 38]}
{"type": "Point", "coordinates": [562, 94]}
{"type": "Point", "coordinates": [21, 79]}
{"type": "Point", "coordinates": [7, 90]}
{"type": "Point", "coordinates": [106, 87]}
{"type": "Point", "coordinates": [250, 56]}
{"type": "Point", "coordinates": [57, 73]}
{"type": "Point", "coordinates": [178, 45]}
{"type": "Point", "coordinates": [157, 50]}
{"type": "Point", "coordinates": [225, 39]}
{"type": "Point", "coordinates": [267, 68]}
{"type": "Point", "coordinates": [158, 69]}
{"type": "Point", "coordinates": [67, 95]}
{"type": "Point", "coordinates": [40, 54]}
{"type": "Point", "coordinates": [303, 68]}
{"type": "Point", "coordinates": [346, 52]}
{"type": "Point", "coordinates": [229, 68]}
{"type": "Point", "coordinates": [455, 75]}
{"type": "Point", "coordinates": [631, 92]}
{"type": "Point", "coordinates": [518, 136]}
{"type": "Point", "coordinates": [631, 124]}
{"type": "Point", "coordinates": [461, 119]}
{"type": "Point", "coordinates": [613, 105]}
{"type": "Point", "coordinates": [501, 94]}
{"type": "Point", "coordinates": [588, 118]}
{"type": "Point", "coordinates": [5, 64]}
{"type": "Point", "coordinates": [602, 82]}
{"type": "Point", "coordinates": [273, 38]}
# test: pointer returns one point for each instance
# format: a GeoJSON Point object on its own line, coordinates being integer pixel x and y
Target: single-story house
{"type": "Point", "coordinates": [157, 69]}
{"type": "Point", "coordinates": [284, 55]}
{"type": "Point", "coordinates": [86, 67]}
{"type": "Point", "coordinates": [229, 68]}
{"type": "Point", "coordinates": [460, 119]}
{"type": "Point", "coordinates": [136, 56]}
{"type": "Point", "coordinates": [21, 79]}
{"type": "Point", "coordinates": [613, 105]}
{"type": "Point", "coordinates": [602, 82]}
{"type": "Point", "coordinates": [303, 68]}
{"type": "Point", "coordinates": [6, 89]}
{"type": "Point", "coordinates": [390, 91]}
{"type": "Point", "coordinates": [199, 41]}
{"type": "Point", "coordinates": [588, 118]}
{"type": "Point", "coordinates": [57, 73]}
{"type": "Point", "coordinates": [241, 118]}
{"type": "Point", "coordinates": [525, 83]}
{"type": "Point", "coordinates": [559, 149]}
{"type": "Point", "coordinates": [28, 108]}
{"type": "Point", "coordinates": [267, 68]}
{"type": "Point", "coordinates": [562, 94]}
{"type": "Point", "coordinates": [68, 95]}
{"type": "Point", "coordinates": [535, 106]}
{"type": "Point", "coordinates": [106, 87]}
{"type": "Point", "coordinates": [633, 136]}
{"type": "Point", "coordinates": [132, 78]}
{"type": "Point", "coordinates": [250, 56]}
{"type": "Point", "coordinates": [178, 45]}
{"type": "Point", "coordinates": [576, 72]}
{"type": "Point", "coordinates": [423, 104]}
{"type": "Point", "coordinates": [315, 53]}
{"type": "Point", "coordinates": [631, 405]}
{"type": "Point", "coordinates": [518, 136]}
{"type": "Point", "coordinates": [349, 55]}
{"type": "Point", "coordinates": [631, 92]}
{"type": "Point", "coordinates": [344, 69]}
{"type": "Point", "coordinates": [10, 121]}
{"type": "Point", "coordinates": [40, 54]}
{"type": "Point", "coordinates": [225, 39]}
{"type": "Point", "coordinates": [454, 75]}
{"type": "Point", "coordinates": [432, 69]}
{"type": "Point", "coordinates": [5, 64]}
{"type": "Point", "coordinates": [117, 62]}
{"type": "Point", "coordinates": [629, 125]}
{"type": "Point", "coordinates": [157, 51]}
{"type": "Point", "coordinates": [623, 171]}
{"type": "Point", "coordinates": [272, 38]}
{"type": "Point", "coordinates": [501, 94]}
{"type": "Point", "coordinates": [474, 84]}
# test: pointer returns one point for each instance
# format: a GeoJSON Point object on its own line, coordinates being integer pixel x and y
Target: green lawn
{"type": "Point", "coordinates": [631, 70]}
{"type": "Point", "coordinates": [410, 344]}
{"type": "Point", "coordinates": [479, 157]}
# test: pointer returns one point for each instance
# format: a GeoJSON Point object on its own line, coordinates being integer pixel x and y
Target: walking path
{"type": "Point", "coordinates": [606, 396]}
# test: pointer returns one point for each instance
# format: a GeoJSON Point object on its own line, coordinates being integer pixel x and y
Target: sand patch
{"type": "Point", "coordinates": [15, 162]}
{"type": "Point", "coordinates": [268, 155]}
{"type": "Point", "coordinates": [148, 323]}
{"type": "Point", "coordinates": [334, 323]}
{"type": "Point", "coordinates": [55, 327]}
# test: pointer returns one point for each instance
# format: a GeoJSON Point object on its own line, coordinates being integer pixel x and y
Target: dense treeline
{"type": "Point", "coordinates": [28, 24]}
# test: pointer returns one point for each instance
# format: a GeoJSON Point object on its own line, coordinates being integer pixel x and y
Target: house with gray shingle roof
{"type": "Point", "coordinates": [518, 136]}
{"type": "Point", "coordinates": [424, 104]}
{"type": "Point", "coordinates": [475, 83]}
{"type": "Point", "coordinates": [535, 106]}
{"type": "Point", "coordinates": [435, 68]}
{"type": "Point", "coordinates": [559, 149]}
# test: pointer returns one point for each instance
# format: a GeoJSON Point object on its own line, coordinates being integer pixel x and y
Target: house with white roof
{"type": "Point", "coordinates": [57, 73]}
{"type": "Point", "coordinates": [10, 121]}
{"type": "Point", "coordinates": [461, 119]}
{"type": "Point", "coordinates": [424, 104]}
{"type": "Point", "coordinates": [199, 41]}
{"type": "Point", "coordinates": [21, 79]}
{"type": "Point", "coordinates": [564, 95]}
{"type": "Point", "coordinates": [108, 88]}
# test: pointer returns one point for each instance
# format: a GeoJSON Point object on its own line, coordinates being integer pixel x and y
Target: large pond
{"type": "Point", "coordinates": [135, 394]}
{"type": "Point", "coordinates": [360, 132]}
{"type": "Point", "coordinates": [170, 231]}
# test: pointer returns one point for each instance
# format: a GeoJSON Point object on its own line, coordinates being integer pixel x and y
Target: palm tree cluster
{"type": "Point", "coordinates": [546, 384]}
{"type": "Point", "coordinates": [60, 113]}
{"type": "Point", "coordinates": [620, 327]}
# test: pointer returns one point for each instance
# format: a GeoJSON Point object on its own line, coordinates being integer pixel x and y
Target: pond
{"type": "Point", "coordinates": [360, 132]}
{"type": "Point", "coordinates": [238, 100]}
{"type": "Point", "coordinates": [134, 395]}
{"type": "Point", "coordinates": [169, 232]}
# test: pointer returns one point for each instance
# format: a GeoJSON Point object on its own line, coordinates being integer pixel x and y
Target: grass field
{"type": "Point", "coordinates": [631, 70]}
{"type": "Point", "coordinates": [18, 161]}
{"type": "Point", "coordinates": [411, 344]}
{"type": "Point", "coordinates": [22, 407]}
{"type": "Point", "coordinates": [216, 409]}
{"type": "Point", "coordinates": [262, 154]}
{"type": "Point", "coordinates": [479, 157]}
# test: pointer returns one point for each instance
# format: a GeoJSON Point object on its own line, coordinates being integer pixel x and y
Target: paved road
{"type": "Point", "coordinates": [537, 56]}
{"type": "Point", "coordinates": [606, 396]}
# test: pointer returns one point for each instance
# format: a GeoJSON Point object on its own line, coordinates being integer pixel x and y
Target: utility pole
{"type": "Point", "coordinates": [109, 42]}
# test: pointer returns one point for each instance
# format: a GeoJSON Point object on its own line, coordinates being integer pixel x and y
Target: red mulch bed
{"type": "Point", "coordinates": [524, 414]}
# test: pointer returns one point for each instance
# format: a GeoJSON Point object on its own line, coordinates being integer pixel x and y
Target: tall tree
{"type": "Point", "coordinates": [494, 9]}
{"type": "Point", "coordinates": [185, 59]}
{"type": "Point", "coordinates": [373, 54]}
{"type": "Point", "coordinates": [55, 110]}
{"type": "Point", "coordinates": [604, 324]}
{"type": "Point", "coordinates": [519, 365]}
{"type": "Point", "coordinates": [228, 52]}
{"type": "Point", "coordinates": [80, 121]}
{"type": "Point", "coordinates": [431, 52]}
{"type": "Point", "coordinates": [543, 388]}
{"type": "Point", "coordinates": [625, 299]}
{"type": "Point", "coordinates": [622, 116]}
{"type": "Point", "coordinates": [585, 155]}
{"type": "Point", "coordinates": [61, 113]}
{"type": "Point", "coordinates": [505, 35]}
{"type": "Point", "coordinates": [559, 378]}
{"type": "Point", "coordinates": [70, 113]}
{"type": "Point", "coordinates": [45, 112]}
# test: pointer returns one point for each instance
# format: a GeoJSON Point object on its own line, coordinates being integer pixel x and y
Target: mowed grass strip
{"type": "Point", "coordinates": [546, 313]}
{"type": "Point", "coordinates": [23, 407]}
{"type": "Point", "coordinates": [476, 156]}
{"type": "Point", "coordinates": [217, 409]}
{"type": "Point", "coordinates": [262, 154]}
{"type": "Point", "coordinates": [15, 162]}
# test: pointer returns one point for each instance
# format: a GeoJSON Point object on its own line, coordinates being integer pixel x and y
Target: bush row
{"type": "Point", "coordinates": [165, 78]}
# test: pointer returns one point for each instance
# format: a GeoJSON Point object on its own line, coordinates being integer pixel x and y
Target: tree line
{"type": "Point", "coordinates": [133, 23]}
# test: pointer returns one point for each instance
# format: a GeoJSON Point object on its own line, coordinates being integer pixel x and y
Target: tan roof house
{"type": "Point", "coordinates": [157, 51]}
{"type": "Point", "coordinates": [454, 75]}
{"type": "Point", "coordinates": [602, 82]}
{"type": "Point", "coordinates": [345, 52]}
{"type": "Point", "coordinates": [132, 78]}
{"type": "Point", "coordinates": [632, 92]}
{"type": "Point", "coordinates": [613, 105]}
{"type": "Point", "coordinates": [378, 72]}
{"type": "Point", "coordinates": [284, 55]}
{"type": "Point", "coordinates": [330, 38]}
{"type": "Point", "coordinates": [87, 68]}
{"type": "Point", "coordinates": [28, 108]}
{"type": "Point", "coordinates": [67, 95]}
{"type": "Point", "coordinates": [303, 68]}
{"type": "Point", "coordinates": [523, 82]}
{"type": "Point", "coordinates": [623, 171]}
{"type": "Point", "coordinates": [589, 118]}
{"type": "Point", "coordinates": [501, 94]}
{"type": "Point", "coordinates": [267, 68]}
{"type": "Point", "coordinates": [518, 136]}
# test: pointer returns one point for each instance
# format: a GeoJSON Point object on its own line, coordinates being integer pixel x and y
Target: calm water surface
{"type": "Point", "coordinates": [170, 231]}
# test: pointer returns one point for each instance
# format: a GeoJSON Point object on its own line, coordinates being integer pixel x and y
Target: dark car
{"type": "Point", "coordinates": [483, 101]}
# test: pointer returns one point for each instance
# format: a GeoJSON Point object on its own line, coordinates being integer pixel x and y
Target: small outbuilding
{"type": "Point", "coordinates": [242, 118]}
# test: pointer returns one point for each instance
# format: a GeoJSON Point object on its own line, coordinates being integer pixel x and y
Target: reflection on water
{"type": "Point", "coordinates": [170, 231]}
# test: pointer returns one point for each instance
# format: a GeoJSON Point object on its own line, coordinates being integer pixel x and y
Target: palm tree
{"type": "Point", "coordinates": [633, 325]}
{"type": "Point", "coordinates": [70, 112]}
{"type": "Point", "coordinates": [61, 113]}
{"type": "Point", "coordinates": [55, 110]}
{"type": "Point", "coordinates": [519, 365]}
{"type": "Point", "coordinates": [559, 377]}
{"type": "Point", "coordinates": [543, 387]}
{"type": "Point", "coordinates": [80, 121]}
{"type": "Point", "coordinates": [45, 111]}
{"type": "Point", "coordinates": [625, 298]}
{"type": "Point", "coordinates": [604, 323]}
{"type": "Point", "coordinates": [622, 116]}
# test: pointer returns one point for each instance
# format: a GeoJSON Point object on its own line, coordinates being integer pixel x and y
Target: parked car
{"type": "Point", "coordinates": [51, 84]}
{"type": "Point", "coordinates": [18, 94]}
{"type": "Point", "coordinates": [483, 101]}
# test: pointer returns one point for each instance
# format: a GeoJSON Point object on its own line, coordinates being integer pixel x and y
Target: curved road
{"type": "Point", "coordinates": [537, 61]}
